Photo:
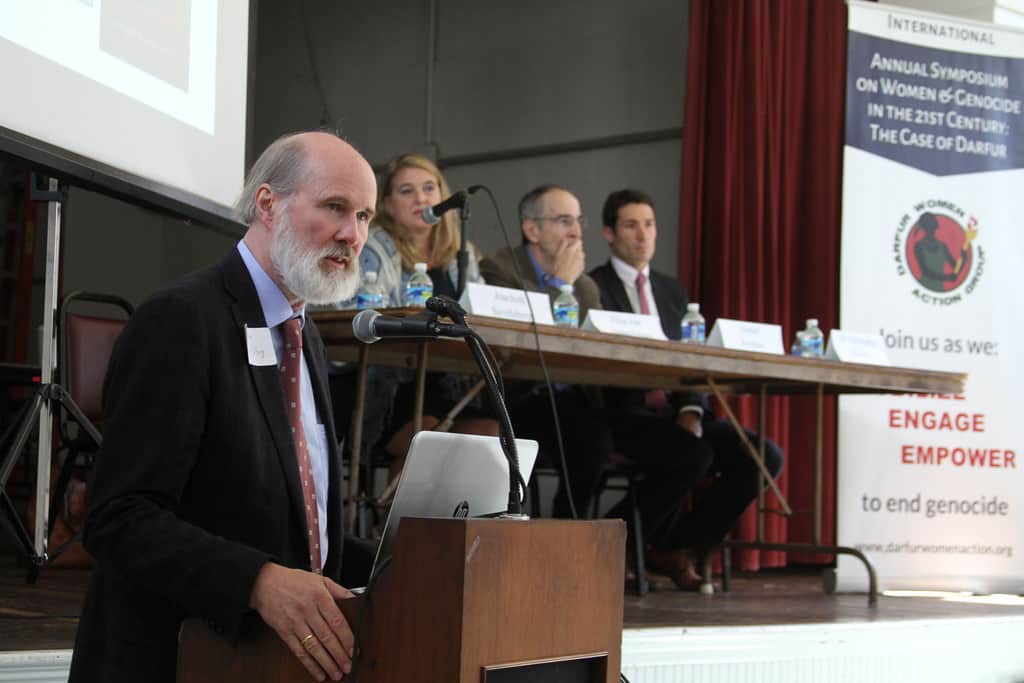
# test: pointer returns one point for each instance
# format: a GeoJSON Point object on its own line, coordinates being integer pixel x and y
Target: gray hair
{"type": "Point", "coordinates": [530, 206]}
{"type": "Point", "coordinates": [283, 165]}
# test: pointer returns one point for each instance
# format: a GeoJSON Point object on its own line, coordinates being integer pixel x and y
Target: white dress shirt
{"type": "Point", "coordinates": [627, 274]}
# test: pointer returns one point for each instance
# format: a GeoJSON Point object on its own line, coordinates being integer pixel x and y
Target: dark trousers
{"type": "Point", "coordinates": [717, 508]}
{"type": "Point", "coordinates": [587, 441]}
{"type": "Point", "coordinates": [674, 461]}
{"type": "Point", "coordinates": [670, 458]}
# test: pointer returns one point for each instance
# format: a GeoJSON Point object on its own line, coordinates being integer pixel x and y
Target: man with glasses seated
{"type": "Point", "coordinates": [551, 255]}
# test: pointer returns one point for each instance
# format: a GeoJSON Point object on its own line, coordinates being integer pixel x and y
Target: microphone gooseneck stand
{"type": "Point", "coordinates": [516, 485]}
{"type": "Point", "coordinates": [484, 360]}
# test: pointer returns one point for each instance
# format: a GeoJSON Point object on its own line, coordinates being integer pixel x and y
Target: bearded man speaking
{"type": "Point", "coordinates": [218, 487]}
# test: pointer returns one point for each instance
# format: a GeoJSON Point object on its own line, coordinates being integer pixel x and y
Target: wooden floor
{"type": "Point", "coordinates": [44, 615]}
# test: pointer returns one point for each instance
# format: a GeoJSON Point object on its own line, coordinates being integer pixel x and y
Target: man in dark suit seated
{"type": "Point", "coordinates": [628, 284]}
{"type": "Point", "coordinates": [552, 254]}
{"type": "Point", "coordinates": [218, 488]}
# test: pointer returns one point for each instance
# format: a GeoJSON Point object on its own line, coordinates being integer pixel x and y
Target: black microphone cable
{"type": "Point", "coordinates": [540, 355]}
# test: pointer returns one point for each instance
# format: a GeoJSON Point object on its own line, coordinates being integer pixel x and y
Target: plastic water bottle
{"type": "Point", "coordinates": [812, 343]}
{"type": "Point", "coordinates": [370, 295]}
{"type": "Point", "coordinates": [797, 349]}
{"type": "Point", "coordinates": [566, 309]}
{"type": "Point", "coordinates": [692, 325]}
{"type": "Point", "coordinates": [420, 287]}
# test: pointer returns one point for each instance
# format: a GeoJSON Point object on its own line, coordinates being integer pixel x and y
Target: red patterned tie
{"type": "Point", "coordinates": [641, 294]}
{"type": "Point", "coordinates": [291, 374]}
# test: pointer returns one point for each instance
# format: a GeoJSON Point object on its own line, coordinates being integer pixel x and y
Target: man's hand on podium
{"type": "Point", "coordinates": [300, 606]}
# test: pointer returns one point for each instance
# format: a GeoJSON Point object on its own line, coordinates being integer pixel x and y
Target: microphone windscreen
{"type": "Point", "coordinates": [362, 326]}
{"type": "Point", "coordinates": [428, 216]}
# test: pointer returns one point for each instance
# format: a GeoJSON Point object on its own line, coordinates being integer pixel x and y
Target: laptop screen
{"type": "Point", "coordinates": [452, 475]}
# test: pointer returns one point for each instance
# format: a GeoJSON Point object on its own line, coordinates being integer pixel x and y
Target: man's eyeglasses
{"type": "Point", "coordinates": [564, 220]}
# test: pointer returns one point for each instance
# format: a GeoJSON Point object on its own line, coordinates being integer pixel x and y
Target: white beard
{"type": "Point", "coordinates": [300, 268]}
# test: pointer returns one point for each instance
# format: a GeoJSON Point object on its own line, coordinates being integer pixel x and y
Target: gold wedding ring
{"type": "Point", "coordinates": [307, 639]}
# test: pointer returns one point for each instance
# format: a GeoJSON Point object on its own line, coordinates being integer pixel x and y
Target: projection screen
{"type": "Point", "coordinates": [142, 99]}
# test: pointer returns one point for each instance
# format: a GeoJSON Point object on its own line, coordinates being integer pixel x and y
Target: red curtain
{"type": "Point", "coordinates": [760, 205]}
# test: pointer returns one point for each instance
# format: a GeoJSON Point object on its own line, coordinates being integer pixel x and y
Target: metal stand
{"type": "Point", "coordinates": [462, 256]}
{"type": "Point", "coordinates": [46, 399]}
{"type": "Point", "coordinates": [48, 394]}
{"type": "Point", "coordinates": [757, 454]}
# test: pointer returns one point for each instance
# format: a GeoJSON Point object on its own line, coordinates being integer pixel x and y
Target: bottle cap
{"type": "Point", "coordinates": [371, 276]}
{"type": "Point", "coordinates": [693, 308]}
{"type": "Point", "coordinates": [420, 267]}
{"type": "Point", "coordinates": [566, 288]}
{"type": "Point", "coordinates": [812, 322]}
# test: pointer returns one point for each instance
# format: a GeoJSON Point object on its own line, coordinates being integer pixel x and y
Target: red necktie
{"type": "Point", "coordinates": [291, 373]}
{"type": "Point", "coordinates": [641, 294]}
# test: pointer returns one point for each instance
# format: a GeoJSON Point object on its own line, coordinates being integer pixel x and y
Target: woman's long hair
{"type": "Point", "coordinates": [444, 238]}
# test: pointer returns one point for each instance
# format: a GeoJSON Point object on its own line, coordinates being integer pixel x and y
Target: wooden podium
{"type": "Point", "coordinates": [464, 600]}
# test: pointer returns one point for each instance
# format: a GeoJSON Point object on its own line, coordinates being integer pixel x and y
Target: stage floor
{"type": "Point", "coordinates": [43, 616]}
{"type": "Point", "coordinates": [792, 596]}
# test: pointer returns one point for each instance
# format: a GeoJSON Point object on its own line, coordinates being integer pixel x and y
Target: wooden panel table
{"type": "Point", "coordinates": [585, 357]}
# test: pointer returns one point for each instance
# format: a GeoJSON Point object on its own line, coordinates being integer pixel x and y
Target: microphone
{"type": "Point", "coordinates": [432, 214]}
{"type": "Point", "coordinates": [370, 326]}
{"type": "Point", "coordinates": [445, 305]}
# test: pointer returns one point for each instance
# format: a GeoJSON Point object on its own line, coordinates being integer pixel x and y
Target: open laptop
{"type": "Point", "coordinates": [452, 475]}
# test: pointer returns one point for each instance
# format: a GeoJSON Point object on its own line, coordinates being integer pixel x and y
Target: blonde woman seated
{"type": "Point", "coordinates": [399, 238]}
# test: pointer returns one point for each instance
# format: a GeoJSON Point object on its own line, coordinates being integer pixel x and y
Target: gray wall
{"type": "Point", "coordinates": [494, 91]}
{"type": "Point", "coordinates": [114, 247]}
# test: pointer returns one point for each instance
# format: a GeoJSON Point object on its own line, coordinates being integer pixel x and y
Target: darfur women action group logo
{"type": "Point", "coordinates": [936, 246]}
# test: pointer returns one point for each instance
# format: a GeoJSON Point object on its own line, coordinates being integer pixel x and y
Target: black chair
{"type": "Point", "coordinates": [533, 486]}
{"type": "Point", "coordinates": [622, 474]}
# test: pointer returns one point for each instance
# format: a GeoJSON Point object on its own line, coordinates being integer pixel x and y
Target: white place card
{"type": "Point", "coordinates": [853, 347]}
{"type": "Point", "coordinates": [746, 336]}
{"type": "Point", "coordinates": [505, 302]}
{"type": "Point", "coordinates": [627, 324]}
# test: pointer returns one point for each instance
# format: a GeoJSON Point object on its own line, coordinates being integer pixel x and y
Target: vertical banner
{"type": "Point", "coordinates": [930, 487]}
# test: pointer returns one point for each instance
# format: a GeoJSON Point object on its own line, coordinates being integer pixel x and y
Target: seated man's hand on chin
{"type": "Point", "coordinates": [569, 260]}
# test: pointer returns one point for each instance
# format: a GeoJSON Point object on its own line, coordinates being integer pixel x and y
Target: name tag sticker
{"type": "Point", "coordinates": [741, 335]}
{"type": "Point", "coordinates": [506, 303]}
{"type": "Point", "coordinates": [851, 347]}
{"type": "Point", "coordinates": [627, 324]}
{"type": "Point", "coordinates": [260, 346]}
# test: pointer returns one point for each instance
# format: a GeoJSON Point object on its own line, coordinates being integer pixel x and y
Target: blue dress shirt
{"type": "Point", "coordinates": [276, 310]}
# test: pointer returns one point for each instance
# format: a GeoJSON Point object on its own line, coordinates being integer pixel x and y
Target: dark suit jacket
{"type": "Point", "coordinates": [196, 484]}
{"type": "Point", "coordinates": [498, 270]}
{"type": "Point", "coordinates": [671, 299]}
